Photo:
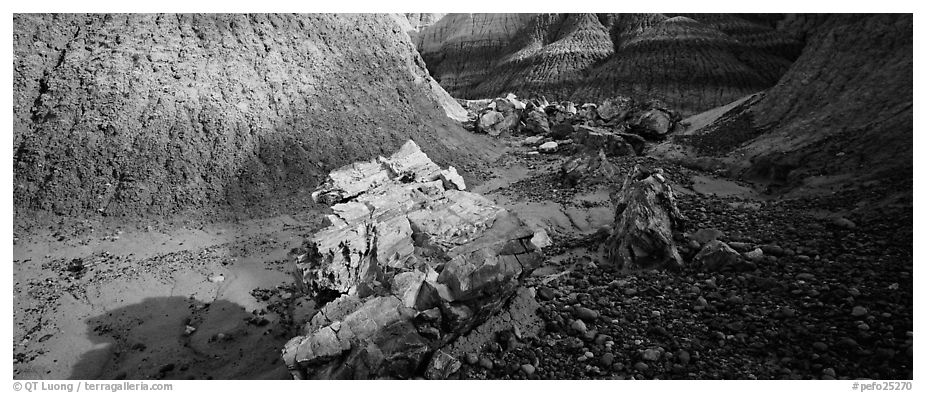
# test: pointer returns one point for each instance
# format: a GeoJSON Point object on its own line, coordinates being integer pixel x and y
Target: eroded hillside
{"type": "Point", "coordinates": [137, 114]}
{"type": "Point", "coordinates": [692, 62]}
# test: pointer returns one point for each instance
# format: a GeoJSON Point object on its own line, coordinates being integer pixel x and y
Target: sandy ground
{"type": "Point", "coordinates": [130, 313]}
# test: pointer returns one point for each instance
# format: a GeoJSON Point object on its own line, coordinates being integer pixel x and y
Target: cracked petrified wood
{"type": "Point", "coordinates": [645, 218]}
{"type": "Point", "coordinates": [411, 261]}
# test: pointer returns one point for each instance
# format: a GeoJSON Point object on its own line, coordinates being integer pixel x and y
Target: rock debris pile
{"type": "Point", "coordinates": [617, 115]}
{"type": "Point", "coordinates": [408, 263]}
{"type": "Point", "coordinates": [617, 127]}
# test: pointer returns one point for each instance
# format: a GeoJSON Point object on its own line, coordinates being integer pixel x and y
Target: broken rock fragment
{"type": "Point", "coordinates": [589, 167]}
{"type": "Point", "coordinates": [645, 217]}
{"type": "Point", "coordinates": [717, 256]}
{"type": "Point", "coordinates": [405, 266]}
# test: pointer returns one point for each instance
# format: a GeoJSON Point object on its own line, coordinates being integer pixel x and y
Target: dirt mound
{"type": "Point", "coordinates": [157, 114]}
{"type": "Point", "coordinates": [845, 107]}
{"type": "Point", "coordinates": [691, 62]}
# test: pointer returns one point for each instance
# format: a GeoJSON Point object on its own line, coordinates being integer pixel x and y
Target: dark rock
{"type": "Point", "coordinates": [645, 217]}
{"type": "Point", "coordinates": [586, 314]}
{"type": "Point", "coordinates": [717, 256]}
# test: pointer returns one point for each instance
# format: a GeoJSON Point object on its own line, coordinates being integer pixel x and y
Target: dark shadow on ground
{"type": "Point", "coordinates": [152, 340]}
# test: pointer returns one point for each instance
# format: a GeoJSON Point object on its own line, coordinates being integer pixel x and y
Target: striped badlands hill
{"type": "Point", "coordinates": [692, 63]}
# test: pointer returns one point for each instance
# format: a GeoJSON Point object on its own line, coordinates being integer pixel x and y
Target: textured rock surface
{"type": "Point", "coordinates": [691, 62]}
{"type": "Point", "coordinates": [411, 265]}
{"type": "Point", "coordinates": [844, 107]}
{"type": "Point", "coordinates": [645, 219]}
{"type": "Point", "coordinates": [716, 256]}
{"type": "Point", "coordinates": [152, 113]}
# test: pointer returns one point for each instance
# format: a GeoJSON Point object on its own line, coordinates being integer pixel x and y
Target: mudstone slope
{"type": "Point", "coordinates": [128, 115]}
{"type": "Point", "coordinates": [843, 110]}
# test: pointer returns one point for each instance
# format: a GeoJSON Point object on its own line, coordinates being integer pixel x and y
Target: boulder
{"type": "Point", "coordinates": [403, 269]}
{"type": "Point", "coordinates": [653, 123]}
{"type": "Point", "coordinates": [588, 167]}
{"type": "Point", "coordinates": [536, 122]}
{"type": "Point", "coordinates": [616, 109]}
{"type": "Point", "coordinates": [718, 256]}
{"type": "Point", "coordinates": [645, 218]}
{"type": "Point", "coordinates": [488, 120]}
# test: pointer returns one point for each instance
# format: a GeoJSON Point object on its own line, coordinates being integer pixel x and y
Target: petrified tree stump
{"type": "Point", "coordinates": [412, 261]}
{"type": "Point", "coordinates": [645, 217]}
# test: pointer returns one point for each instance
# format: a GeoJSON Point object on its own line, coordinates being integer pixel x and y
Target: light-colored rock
{"type": "Point", "coordinates": [380, 253]}
{"type": "Point", "coordinates": [549, 147]}
{"type": "Point", "coordinates": [452, 180]}
{"type": "Point", "coordinates": [532, 140]}
{"type": "Point", "coordinates": [541, 239]}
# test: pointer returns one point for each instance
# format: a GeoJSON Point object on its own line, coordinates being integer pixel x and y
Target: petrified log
{"type": "Point", "coordinates": [615, 144]}
{"type": "Point", "coordinates": [645, 217]}
{"type": "Point", "coordinates": [411, 264]}
{"type": "Point", "coordinates": [589, 167]}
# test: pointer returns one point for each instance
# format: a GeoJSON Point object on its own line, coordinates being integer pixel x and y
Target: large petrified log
{"type": "Point", "coordinates": [645, 217]}
{"type": "Point", "coordinates": [411, 261]}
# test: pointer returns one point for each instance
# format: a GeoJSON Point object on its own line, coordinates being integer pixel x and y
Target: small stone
{"type": "Point", "coordinates": [683, 356]}
{"type": "Point", "coordinates": [804, 276]}
{"type": "Point", "coordinates": [188, 330]}
{"type": "Point", "coordinates": [820, 346]}
{"type": "Point", "coordinates": [772, 250]}
{"type": "Point", "coordinates": [588, 355]}
{"type": "Point", "coordinates": [754, 254]}
{"type": "Point", "coordinates": [830, 372]}
{"type": "Point", "coordinates": [528, 369]}
{"type": "Point", "coordinates": [706, 235]}
{"type": "Point", "coordinates": [844, 223]}
{"type": "Point", "coordinates": [166, 368]}
{"type": "Point", "coordinates": [472, 359]}
{"type": "Point", "coordinates": [217, 278]}
{"type": "Point", "coordinates": [579, 326]}
{"type": "Point", "coordinates": [548, 147]}
{"type": "Point", "coordinates": [630, 291]}
{"type": "Point", "coordinates": [545, 293]}
{"type": "Point", "coordinates": [586, 314]}
{"type": "Point", "coordinates": [787, 312]}
{"type": "Point", "coordinates": [701, 301]}
{"type": "Point", "coordinates": [640, 366]}
{"type": "Point", "coordinates": [485, 363]}
{"type": "Point", "coordinates": [606, 360]}
{"type": "Point", "coordinates": [859, 311]}
{"type": "Point", "coordinates": [651, 355]}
